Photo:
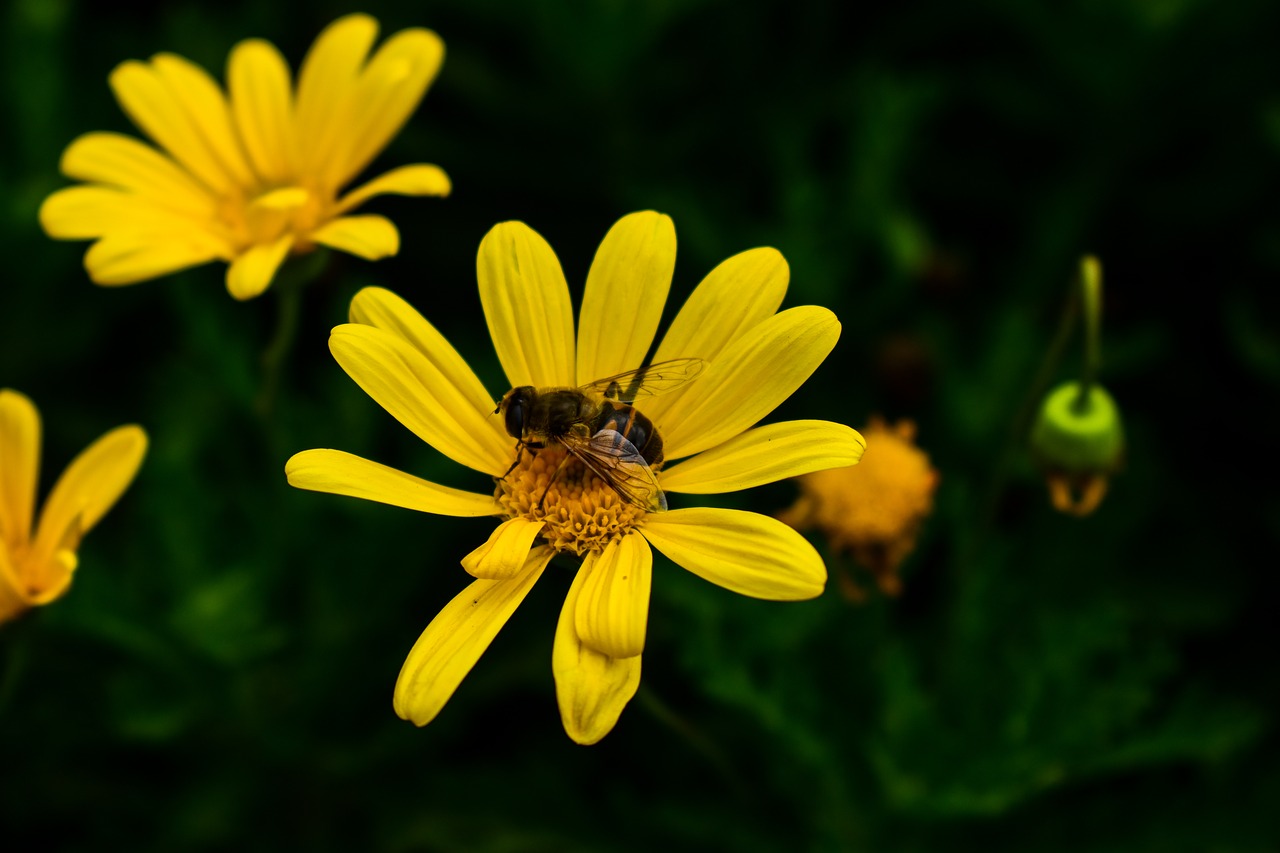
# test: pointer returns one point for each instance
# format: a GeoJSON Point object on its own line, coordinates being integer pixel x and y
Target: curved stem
{"type": "Point", "coordinates": [1091, 303]}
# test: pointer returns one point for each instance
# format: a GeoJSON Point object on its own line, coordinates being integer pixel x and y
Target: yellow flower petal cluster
{"type": "Point", "coordinates": [37, 559]}
{"type": "Point", "coordinates": [252, 175]}
{"type": "Point", "coordinates": [755, 358]}
{"type": "Point", "coordinates": [875, 510]}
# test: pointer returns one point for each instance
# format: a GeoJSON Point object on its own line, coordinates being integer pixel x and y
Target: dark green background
{"type": "Point", "coordinates": [219, 676]}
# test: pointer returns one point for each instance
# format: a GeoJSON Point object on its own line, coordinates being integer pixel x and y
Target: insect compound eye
{"type": "Point", "coordinates": [515, 411]}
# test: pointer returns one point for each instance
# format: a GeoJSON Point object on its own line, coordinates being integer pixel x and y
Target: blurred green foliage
{"type": "Point", "coordinates": [219, 676]}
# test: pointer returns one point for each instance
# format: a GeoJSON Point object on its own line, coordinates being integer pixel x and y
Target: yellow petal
{"type": "Point", "coordinates": [125, 163]}
{"type": "Point", "coordinates": [340, 473]}
{"type": "Point", "coordinates": [422, 397]}
{"type": "Point", "coordinates": [369, 236]}
{"type": "Point", "coordinates": [19, 467]}
{"type": "Point", "coordinates": [502, 557]}
{"type": "Point", "coordinates": [626, 289]}
{"type": "Point", "coordinates": [262, 104]}
{"type": "Point", "coordinates": [90, 486]}
{"type": "Point", "coordinates": [749, 379]}
{"type": "Point", "coordinates": [386, 94]}
{"type": "Point", "coordinates": [526, 304]}
{"type": "Point", "coordinates": [418, 179]}
{"type": "Point", "coordinates": [252, 272]}
{"type": "Point", "coordinates": [206, 107]}
{"type": "Point", "coordinates": [129, 257]}
{"type": "Point", "coordinates": [455, 639]}
{"type": "Point", "coordinates": [745, 552]}
{"type": "Point", "coordinates": [591, 688]}
{"type": "Point", "coordinates": [14, 598]}
{"type": "Point", "coordinates": [613, 606]}
{"type": "Point", "coordinates": [326, 88]}
{"type": "Point", "coordinates": [765, 455]}
{"type": "Point", "coordinates": [376, 306]}
{"type": "Point", "coordinates": [87, 212]}
{"type": "Point", "coordinates": [740, 293]}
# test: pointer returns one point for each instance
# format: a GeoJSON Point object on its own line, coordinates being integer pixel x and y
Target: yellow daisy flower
{"type": "Point", "coordinates": [754, 359]}
{"type": "Point", "coordinates": [36, 567]}
{"type": "Point", "coordinates": [251, 176]}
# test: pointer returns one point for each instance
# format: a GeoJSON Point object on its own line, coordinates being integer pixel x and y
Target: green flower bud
{"type": "Point", "coordinates": [1076, 435]}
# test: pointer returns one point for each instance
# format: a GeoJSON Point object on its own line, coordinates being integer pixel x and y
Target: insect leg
{"type": "Point", "coordinates": [554, 474]}
{"type": "Point", "coordinates": [519, 453]}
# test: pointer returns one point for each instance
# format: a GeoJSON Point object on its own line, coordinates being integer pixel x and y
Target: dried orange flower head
{"type": "Point", "coordinates": [874, 509]}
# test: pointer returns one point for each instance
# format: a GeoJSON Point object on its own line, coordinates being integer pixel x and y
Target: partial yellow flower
{"type": "Point", "coordinates": [755, 358]}
{"type": "Point", "coordinates": [253, 175]}
{"type": "Point", "coordinates": [37, 561]}
{"type": "Point", "coordinates": [875, 510]}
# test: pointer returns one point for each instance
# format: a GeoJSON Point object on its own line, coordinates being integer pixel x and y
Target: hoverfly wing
{"type": "Point", "coordinates": [647, 381]}
{"type": "Point", "coordinates": [614, 459]}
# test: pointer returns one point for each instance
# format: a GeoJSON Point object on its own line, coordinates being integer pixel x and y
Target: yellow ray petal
{"type": "Point", "coordinates": [386, 94]}
{"type": "Point", "coordinates": [502, 557]}
{"type": "Point", "coordinates": [739, 293]}
{"type": "Point", "coordinates": [613, 606]}
{"type": "Point", "coordinates": [417, 179]}
{"type": "Point", "coordinates": [455, 639]}
{"type": "Point", "coordinates": [87, 212]}
{"type": "Point", "coordinates": [90, 486]}
{"type": "Point", "coordinates": [368, 236]}
{"type": "Point", "coordinates": [130, 257]}
{"type": "Point", "coordinates": [745, 552]}
{"type": "Point", "coordinates": [19, 467]}
{"type": "Point", "coordinates": [626, 289]}
{"type": "Point", "coordinates": [765, 455]}
{"type": "Point", "coordinates": [262, 104]}
{"type": "Point", "coordinates": [340, 473]}
{"type": "Point", "coordinates": [14, 597]}
{"type": "Point", "coordinates": [252, 272]}
{"type": "Point", "coordinates": [327, 88]}
{"type": "Point", "coordinates": [749, 378]}
{"type": "Point", "coordinates": [206, 107]}
{"type": "Point", "coordinates": [526, 304]}
{"type": "Point", "coordinates": [419, 395]}
{"type": "Point", "coordinates": [376, 306]}
{"type": "Point", "coordinates": [125, 163]}
{"type": "Point", "coordinates": [591, 688]}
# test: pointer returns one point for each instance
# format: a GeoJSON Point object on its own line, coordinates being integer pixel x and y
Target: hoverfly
{"type": "Point", "coordinates": [597, 425]}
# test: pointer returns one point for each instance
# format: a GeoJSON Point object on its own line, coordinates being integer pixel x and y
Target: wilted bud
{"type": "Point", "coordinates": [1078, 439]}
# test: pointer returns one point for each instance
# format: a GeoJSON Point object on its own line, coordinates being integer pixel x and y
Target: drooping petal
{"type": "Point", "coordinates": [252, 272]}
{"type": "Point", "coordinates": [87, 212]}
{"type": "Point", "coordinates": [526, 304]}
{"type": "Point", "coordinates": [504, 554]}
{"type": "Point", "coordinates": [19, 467]}
{"type": "Point", "coordinates": [613, 605]}
{"type": "Point", "coordinates": [626, 289]}
{"type": "Point", "coordinates": [205, 105]}
{"type": "Point", "coordinates": [125, 163]}
{"type": "Point", "coordinates": [341, 473]}
{"type": "Point", "coordinates": [746, 552]}
{"type": "Point", "coordinates": [416, 392]}
{"type": "Point", "coordinates": [262, 104]}
{"type": "Point", "coordinates": [591, 688]}
{"type": "Point", "coordinates": [368, 236]}
{"type": "Point", "coordinates": [387, 92]}
{"type": "Point", "coordinates": [90, 486]}
{"type": "Point", "coordinates": [326, 87]}
{"type": "Point", "coordinates": [133, 256]}
{"type": "Point", "coordinates": [414, 180]}
{"type": "Point", "coordinates": [455, 639]}
{"type": "Point", "coordinates": [749, 379]}
{"type": "Point", "coordinates": [765, 455]}
{"type": "Point", "coordinates": [739, 293]}
{"type": "Point", "coordinates": [377, 306]}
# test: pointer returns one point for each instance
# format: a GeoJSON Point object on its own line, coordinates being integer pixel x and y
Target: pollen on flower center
{"type": "Point", "coordinates": [582, 512]}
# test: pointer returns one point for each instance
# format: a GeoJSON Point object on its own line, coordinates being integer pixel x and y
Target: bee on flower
{"type": "Point", "coordinates": [580, 446]}
{"type": "Point", "coordinates": [874, 511]}
{"type": "Point", "coordinates": [38, 558]}
{"type": "Point", "coordinates": [252, 175]}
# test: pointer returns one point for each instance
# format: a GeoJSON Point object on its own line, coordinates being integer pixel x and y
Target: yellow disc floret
{"type": "Point", "coordinates": [582, 512]}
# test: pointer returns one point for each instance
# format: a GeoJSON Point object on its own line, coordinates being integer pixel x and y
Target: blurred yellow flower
{"type": "Point", "coordinates": [253, 175]}
{"type": "Point", "coordinates": [36, 564]}
{"type": "Point", "coordinates": [875, 510]}
{"type": "Point", "coordinates": [755, 358]}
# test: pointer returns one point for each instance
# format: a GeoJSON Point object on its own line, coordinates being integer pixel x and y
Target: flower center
{"type": "Point", "coordinates": [582, 512]}
{"type": "Point", "coordinates": [264, 214]}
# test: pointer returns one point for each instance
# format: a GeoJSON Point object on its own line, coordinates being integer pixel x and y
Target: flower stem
{"type": "Point", "coordinates": [293, 278]}
{"type": "Point", "coordinates": [1091, 303]}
